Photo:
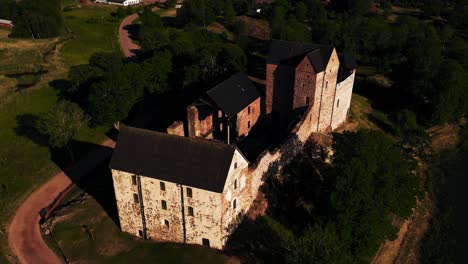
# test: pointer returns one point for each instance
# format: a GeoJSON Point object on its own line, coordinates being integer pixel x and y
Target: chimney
{"type": "Point", "coordinates": [193, 122]}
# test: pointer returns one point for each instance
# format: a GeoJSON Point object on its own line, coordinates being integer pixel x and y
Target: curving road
{"type": "Point", "coordinates": [126, 44]}
{"type": "Point", "coordinates": [24, 235]}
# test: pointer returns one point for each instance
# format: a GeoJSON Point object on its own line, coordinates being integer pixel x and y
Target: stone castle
{"type": "Point", "coordinates": [191, 184]}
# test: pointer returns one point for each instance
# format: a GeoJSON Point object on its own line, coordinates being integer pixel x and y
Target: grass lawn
{"type": "Point", "coordinates": [25, 162]}
{"type": "Point", "coordinates": [110, 245]}
{"type": "Point", "coordinates": [91, 29]}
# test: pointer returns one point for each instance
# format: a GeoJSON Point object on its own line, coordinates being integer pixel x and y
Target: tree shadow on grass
{"type": "Point", "coordinates": [90, 172]}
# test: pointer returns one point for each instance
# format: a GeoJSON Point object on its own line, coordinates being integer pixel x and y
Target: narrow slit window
{"type": "Point", "coordinates": [248, 124]}
{"type": "Point", "coordinates": [140, 233]}
{"type": "Point", "coordinates": [163, 205]}
{"type": "Point", "coordinates": [134, 180]}
{"type": "Point", "coordinates": [248, 110]}
{"type": "Point", "coordinates": [338, 103]}
{"type": "Point", "coordinates": [189, 192]}
{"type": "Point", "coordinates": [206, 242]}
{"type": "Point", "coordinates": [234, 204]}
{"type": "Point", "coordinates": [235, 165]}
{"type": "Point", "coordinates": [235, 184]}
{"type": "Point", "coordinates": [190, 211]}
{"type": "Point", "coordinates": [326, 85]}
{"type": "Point", "coordinates": [136, 199]}
{"type": "Point", "coordinates": [166, 223]}
{"type": "Point", "coordinates": [162, 186]}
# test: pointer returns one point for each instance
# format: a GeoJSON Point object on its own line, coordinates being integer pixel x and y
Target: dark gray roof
{"type": "Point", "coordinates": [234, 94]}
{"type": "Point", "coordinates": [188, 161]}
{"type": "Point", "coordinates": [347, 63]}
{"type": "Point", "coordinates": [291, 51]}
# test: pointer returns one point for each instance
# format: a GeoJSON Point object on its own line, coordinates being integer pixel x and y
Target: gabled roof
{"type": "Point", "coordinates": [234, 94]}
{"type": "Point", "coordinates": [288, 51]}
{"type": "Point", "coordinates": [188, 161]}
{"type": "Point", "coordinates": [347, 63]}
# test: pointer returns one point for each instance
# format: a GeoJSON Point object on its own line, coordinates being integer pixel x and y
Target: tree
{"type": "Point", "coordinates": [157, 70]}
{"type": "Point", "coordinates": [37, 19]}
{"type": "Point", "coordinates": [152, 34]}
{"type": "Point", "coordinates": [199, 12]}
{"type": "Point", "coordinates": [229, 12]}
{"type": "Point", "coordinates": [301, 11]}
{"type": "Point", "coordinates": [113, 96]}
{"type": "Point", "coordinates": [171, 3]}
{"type": "Point", "coordinates": [120, 12]}
{"type": "Point", "coordinates": [451, 88]}
{"type": "Point", "coordinates": [318, 244]}
{"type": "Point", "coordinates": [61, 123]}
{"type": "Point", "coordinates": [371, 179]}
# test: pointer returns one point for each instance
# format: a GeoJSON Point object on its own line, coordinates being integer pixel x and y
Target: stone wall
{"type": "Point", "coordinates": [328, 93]}
{"type": "Point", "coordinates": [198, 127]}
{"type": "Point", "coordinates": [235, 189]}
{"type": "Point", "coordinates": [270, 79]}
{"type": "Point", "coordinates": [129, 212]}
{"type": "Point", "coordinates": [177, 128]}
{"type": "Point", "coordinates": [270, 162]}
{"type": "Point", "coordinates": [344, 92]}
{"type": "Point", "coordinates": [247, 118]}
{"type": "Point", "coordinates": [213, 213]}
{"type": "Point", "coordinates": [304, 84]}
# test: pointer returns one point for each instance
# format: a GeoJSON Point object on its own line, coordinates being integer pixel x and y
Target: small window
{"type": "Point", "coordinates": [140, 233]}
{"type": "Point", "coordinates": [326, 85]}
{"type": "Point", "coordinates": [221, 127]}
{"type": "Point", "coordinates": [307, 100]}
{"type": "Point", "coordinates": [189, 192]}
{"type": "Point", "coordinates": [162, 186]}
{"type": "Point", "coordinates": [220, 114]}
{"type": "Point", "coordinates": [163, 205]}
{"type": "Point", "coordinates": [248, 110]}
{"type": "Point", "coordinates": [235, 165]}
{"type": "Point", "coordinates": [310, 117]}
{"type": "Point", "coordinates": [235, 184]}
{"type": "Point", "coordinates": [206, 242]}
{"type": "Point", "coordinates": [134, 180]}
{"type": "Point", "coordinates": [190, 211]}
{"type": "Point", "coordinates": [234, 204]}
{"type": "Point", "coordinates": [166, 223]}
{"type": "Point", "coordinates": [338, 103]}
{"type": "Point", "coordinates": [136, 199]}
{"type": "Point", "coordinates": [248, 124]}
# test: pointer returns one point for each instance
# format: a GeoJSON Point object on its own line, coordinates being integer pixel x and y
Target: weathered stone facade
{"type": "Point", "coordinates": [307, 87]}
{"type": "Point", "coordinates": [247, 118]}
{"type": "Point", "coordinates": [174, 214]}
{"type": "Point", "coordinates": [344, 92]}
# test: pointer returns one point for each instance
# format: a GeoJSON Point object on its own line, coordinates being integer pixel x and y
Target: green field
{"type": "Point", "coordinates": [90, 29]}
{"type": "Point", "coordinates": [25, 161]}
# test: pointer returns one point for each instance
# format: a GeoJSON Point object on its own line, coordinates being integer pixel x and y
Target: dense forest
{"type": "Point", "coordinates": [33, 18]}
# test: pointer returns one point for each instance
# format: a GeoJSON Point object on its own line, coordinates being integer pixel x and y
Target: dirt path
{"type": "Point", "coordinates": [24, 235]}
{"type": "Point", "coordinates": [127, 45]}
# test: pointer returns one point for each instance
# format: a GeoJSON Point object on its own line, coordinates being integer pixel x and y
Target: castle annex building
{"type": "Point", "coordinates": [190, 185]}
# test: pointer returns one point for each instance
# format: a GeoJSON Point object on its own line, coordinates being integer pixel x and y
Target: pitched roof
{"type": "Point", "coordinates": [234, 94]}
{"type": "Point", "coordinates": [188, 161]}
{"type": "Point", "coordinates": [284, 51]}
{"type": "Point", "coordinates": [347, 63]}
